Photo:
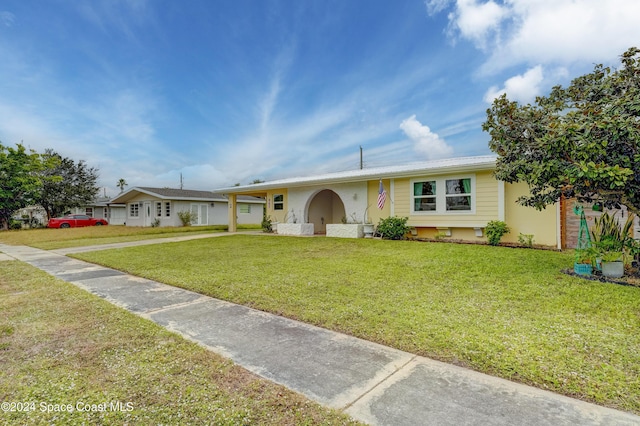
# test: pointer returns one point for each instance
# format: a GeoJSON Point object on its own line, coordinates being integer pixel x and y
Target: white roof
{"type": "Point", "coordinates": [454, 165]}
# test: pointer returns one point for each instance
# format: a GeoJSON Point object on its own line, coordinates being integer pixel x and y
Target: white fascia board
{"type": "Point", "coordinates": [455, 165]}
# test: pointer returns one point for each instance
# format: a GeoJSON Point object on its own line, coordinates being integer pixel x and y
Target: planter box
{"type": "Point", "coordinates": [348, 230]}
{"type": "Point", "coordinates": [368, 229]}
{"type": "Point", "coordinates": [295, 229]}
{"type": "Point", "coordinates": [613, 269]}
{"type": "Point", "coordinates": [582, 269]}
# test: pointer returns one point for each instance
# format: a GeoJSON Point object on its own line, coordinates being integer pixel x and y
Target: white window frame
{"type": "Point", "coordinates": [278, 202]}
{"type": "Point", "coordinates": [441, 196]}
{"type": "Point", "coordinates": [244, 208]}
{"type": "Point", "coordinates": [158, 208]}
{"type": "Point", "coordinates": [132, 207]}
{"type": "Point", "coordinates": [167, 208]}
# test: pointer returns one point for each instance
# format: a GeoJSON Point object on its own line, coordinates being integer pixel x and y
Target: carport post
{"type": "Point", "coordinates": [233, 218]}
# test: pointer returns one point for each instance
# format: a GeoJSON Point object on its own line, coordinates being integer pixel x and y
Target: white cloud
{"type": "Point", "coordinates": [425, 141]}
{"type": "Point", "coordinates": [476, 20]}
{"type": "Point", "coordinates": [544, 31]}
{"type": "Point", "coordinates": [522, 88]}
{"type": "Point", "coordinates": [199, 176]}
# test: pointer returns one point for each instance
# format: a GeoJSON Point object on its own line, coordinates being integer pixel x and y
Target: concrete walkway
{"type": "Point", "coordinates": [375, 384]}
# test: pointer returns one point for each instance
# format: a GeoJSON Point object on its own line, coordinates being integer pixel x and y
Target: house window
{"type": "Point", "coordinates": [134, 210]}
{"type": "Point", "coordinates": [167, 208]}
{"type": "Point", "coordinates": [278, 202]}
{"type": "Point", "coordinates": [158, 208]}
{"type": "Point", "coordinates": [424, 196]}
{"type": "Point", "coordinates": [458, 194]}
{"type": "Point", "coordinates": [89, 211]}
{"type": "Point", "coordinates": [443, 196]}
{"type": "Point", "coordinates": [244, 208]}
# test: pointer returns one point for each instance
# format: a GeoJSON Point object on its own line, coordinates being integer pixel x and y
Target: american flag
{"type": "Point", "coordinates": [382, 196]}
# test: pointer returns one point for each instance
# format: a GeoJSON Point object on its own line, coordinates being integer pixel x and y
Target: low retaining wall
{"type": "Point", "coordinates": [348, 230]}
{"type": "Point", "coordinates": [295, 228]}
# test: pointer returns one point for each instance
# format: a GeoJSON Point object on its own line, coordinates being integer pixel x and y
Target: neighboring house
{"type": "Point", "coordinates": [102, 208]}
{"type": "Point", "coordinates": [145, 205]}
{"type": "Point", "coordinates": [31, 216]}
{"type": "Point", "coordinates": [453, 199]}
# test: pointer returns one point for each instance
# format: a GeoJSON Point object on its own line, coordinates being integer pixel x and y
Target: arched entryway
{"type": "Point", "coordinates": [325, 207]}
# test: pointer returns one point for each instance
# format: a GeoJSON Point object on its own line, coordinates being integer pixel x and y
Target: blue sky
{"type": "Point", "coordinates": [226, 92]}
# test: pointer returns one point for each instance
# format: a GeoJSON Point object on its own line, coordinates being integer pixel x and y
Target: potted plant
{"type": "Point", "coordinates": [611, 241]}
{"type": "Point", "coordinates": [583, 264]}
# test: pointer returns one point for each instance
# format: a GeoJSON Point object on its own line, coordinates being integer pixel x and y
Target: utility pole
{"type": "Point", "coordinates": [181, 181]}
{"type": "Point", "coordinates": [360, 157]}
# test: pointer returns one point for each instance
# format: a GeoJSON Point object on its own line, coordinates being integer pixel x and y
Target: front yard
{"type": "Point", "coordinates": [507, 312]}
{"type": "Point", "coordinates": [49, 239]}
{"type": "Point", "coordinates": [64, 351]}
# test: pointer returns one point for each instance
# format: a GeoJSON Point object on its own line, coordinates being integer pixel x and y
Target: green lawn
{"type": "Point", "coordinates": [49, 239]}
{"type": "Point", "coordinates": [504, 311]}
{"type": "Point", "coordinates": [60, 345]}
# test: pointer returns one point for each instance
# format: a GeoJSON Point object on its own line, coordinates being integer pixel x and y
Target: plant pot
{"type": "Point", "coordinates": [613, 269]}
{"type": "Point", "coordinates": [368, 230]}
{"type": "Point", "coordinates": [582, 268]}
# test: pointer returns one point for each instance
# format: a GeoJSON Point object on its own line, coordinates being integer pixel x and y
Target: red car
{"type": "Point", "coordinates": [75, 221]}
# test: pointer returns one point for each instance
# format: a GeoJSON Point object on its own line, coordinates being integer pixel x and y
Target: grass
{"type": "Point", "coordinates": [60, 345]}
{"type": "Point", "coordinates": [507, 312]}
{"type": "Point", "coordinates": [49, 239]}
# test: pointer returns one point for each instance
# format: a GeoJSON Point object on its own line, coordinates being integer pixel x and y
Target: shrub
{"type": "Point", "coordinates": [155, 223]}
{"type": "Point", "coordinates": [393, 228]}
{"type": "Point", "coordinates": [495, 230]}
{"type": "Point", "coordinates": [187, 217]}
{"type": "Point", "coordinates": [266, 224]}
{"type": "Point", "coordinates": [526, 240]}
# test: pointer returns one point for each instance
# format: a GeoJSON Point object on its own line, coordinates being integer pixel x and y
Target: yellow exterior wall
{"type": "Point", "coordinates": [374, 213]}
{"type": "Point", "coordinates": [486, 203]}
{"type": "Point", "coordinates": [277, 215]}
{"type": "Point", "coordinates": [527, 220]}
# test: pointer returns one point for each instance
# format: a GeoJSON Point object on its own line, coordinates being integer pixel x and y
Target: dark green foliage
{"type": "Point", "coordinates": [581, 141]}
{"type": "Point", "coordinates": [20, 180]}
{"type": "Point", "coordinates": [495, 230]}
{"type": "Point", "coordinates": [610, 239]}
{"type": "Point", "coordinates": [266, 224]}
{"type": "Point", "coordinates": [66, 184]}
{"type": "Point", "coordinates": [393, 228]}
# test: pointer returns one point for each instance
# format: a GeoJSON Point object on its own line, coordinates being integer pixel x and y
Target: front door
{"type": "Point", "coordinates": [146, 211]}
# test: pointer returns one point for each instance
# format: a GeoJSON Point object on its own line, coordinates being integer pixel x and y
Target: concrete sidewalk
{"type": "Point", "coordinates": [372, 383]}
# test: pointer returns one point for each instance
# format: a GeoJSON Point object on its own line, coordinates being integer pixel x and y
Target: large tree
{"type": "Point", "coordinates": [66, 184]}
{"type": "Point", "coordinates": [20, 180]}
{"type": "Point", "coordinates": [582, 141]}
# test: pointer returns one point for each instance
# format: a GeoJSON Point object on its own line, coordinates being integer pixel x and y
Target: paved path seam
{"type": "Point", "coordinates": [375, 382]}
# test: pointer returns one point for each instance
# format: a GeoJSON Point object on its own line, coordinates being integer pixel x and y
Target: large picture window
{"type": "Point", "coordinates": [424, 196]}
{"type": "Point", "coordinates": [443, 196]}
{"type": "Point", "coordinates": [458, 194]}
